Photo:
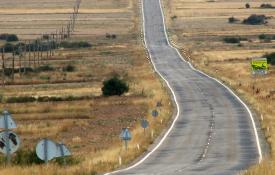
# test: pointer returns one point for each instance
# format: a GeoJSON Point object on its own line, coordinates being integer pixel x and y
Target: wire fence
{"type": "Point", "coordinates": [29, 55]}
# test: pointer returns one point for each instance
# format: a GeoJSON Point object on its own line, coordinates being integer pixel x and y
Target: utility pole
{"type": "Point", "coordinates": [20, 58]}
{"type": "Point", "coordinates": [74, 16]}
{"type": "Point", "coordinates": [34, 53]}
{"type": "Point", "coordinates": [68, 30]}
{"type": "Point", "coordinates": [25, 56]}
{"type": "Point", "coordinates": [3, 66]}
{"type": "Point", "coordinates": [41, 50]}
{"type": "Point", "coordinates": [48, 49]}
{"type": "Point", "coordinates": [13, 57]}
{"type": "Point", "coordinates": [29, 49]}
{"type": "Point", "coordinates": [37, 53]}
{"type": "Point", "coordinates": [57, 39]}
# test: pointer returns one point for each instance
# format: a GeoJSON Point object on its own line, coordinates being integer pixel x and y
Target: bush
{"type": "Point", "coordinates": [68, 68]}
{"type": "Point", "coordinates": [9, 37]}
{"type": "Point", "coordinates": [8, 71]}
{"type": "Point", "coordinates": [270, 58]}
{"type": "Point", "coordinates": [44, 68]}
{"type": "Point", "coordinates": [26, 157]}
{"type": "Point", "coordinates": [233, 20]}
{"type": "Point", "coordinates": [81, 44]}
{"type": "Point", "coordinates": [114, 86]}
{"type": "Point", "coordinates": [267, 6]}
{"type": "Point", "coordinates": [110, 36]}
{"type": "Point", "coordinates": [247, 5]}
{"type": "Point", "coordinates": [232, 40]}
{"type": "Point", "coordinates": [255, 20]}
{"type": "Point", "coordinates": [263, 37]}
{"type": "Point", "coordinates": [8, 47]}
{"type": "Point", "coordinates": [3, 36]}
{"type": "Point", "coordinates": [24, 99]}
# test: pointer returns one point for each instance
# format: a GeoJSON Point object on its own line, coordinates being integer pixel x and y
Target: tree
{"type": "Point", "coordinates": [255, 20]}
{"type": "Point", "coordinates": [12, 37]}
{"type": "Point", "coordinates": [270, 58]}
{"type": "Point", "coordinates": [114, 86]}
{"type": "Point", "coordinates": [8, 37]}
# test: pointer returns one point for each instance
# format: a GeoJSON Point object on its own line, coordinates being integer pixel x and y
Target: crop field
{"type": "Point", "coordinates": [77, 114]}
{"type": "Point", "coordinates": [200, 27]}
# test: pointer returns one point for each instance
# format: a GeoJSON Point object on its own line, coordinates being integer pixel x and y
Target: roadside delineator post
{"type": "Point", "coordinates": [126, 136]}
{"type": "Point", "coordinates": [144, 124]}
{"type": "Point", "coordinates": [155, 114]}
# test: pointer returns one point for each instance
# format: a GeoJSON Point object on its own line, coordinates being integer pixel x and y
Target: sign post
{"type": "Point", "coordinates": [46, 150]}
{"type": "Point", "coordinates": [125, 135]}
{"type": "Point", "coordinates": [155, 114]}
{"type": "Point", "coordinates": [9, 141]}
{"type": "Point", "coordinates": [62, 151]}
{"type": "Point", "coordinates": [144, 124]}
{"type": "Point", "coordinates": [259, 66]}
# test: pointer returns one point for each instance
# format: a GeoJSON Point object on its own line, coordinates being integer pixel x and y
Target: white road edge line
{"type": "Point", "coordinates": [175, 98]}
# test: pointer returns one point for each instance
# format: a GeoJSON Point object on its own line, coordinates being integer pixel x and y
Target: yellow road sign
{"type": "Point", "coordinates": [259, 64]}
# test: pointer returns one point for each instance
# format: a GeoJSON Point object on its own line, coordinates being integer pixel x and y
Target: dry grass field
{"type": "Point", "coordinates": [199, 28]}
{"type": "Point", "coordinates": [90, 126]}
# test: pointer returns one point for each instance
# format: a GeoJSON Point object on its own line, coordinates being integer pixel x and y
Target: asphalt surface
{"type": "Point", "coordinates": [213, 133]}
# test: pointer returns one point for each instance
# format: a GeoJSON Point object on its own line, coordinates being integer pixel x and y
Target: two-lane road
{"type": "Point", "coordinates": [213, 132]}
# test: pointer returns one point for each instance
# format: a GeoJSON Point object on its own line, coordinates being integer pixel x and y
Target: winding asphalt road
{"type": "Point", "coordinates": [213, 132]}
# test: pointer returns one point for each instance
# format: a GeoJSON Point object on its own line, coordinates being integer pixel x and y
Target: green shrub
{"type": "Point", "coordinates": [80, 44]}
{"type": "Point", "coordinates": [44, 68]}
{"type": "Point", "coordinates": [255, 20]}
{"type": "Point", "coordinates": [11, 38]}
{"type": "Point", "coordinates": [3, 36]}
{"type": "Point", "coordinates": [266, 37]}
{"type": "Point", "coordinates": [114, 86]}
{"type": "Point", "coordinates": [270, 58]}
{"type": "Point", "coordinates": [68, 68]}
{"type": "Point", "coordinates": [234, 40]}
{"type": "Point", "coordinates": [263, 36]}
{"type": "Point", "coordinates": [56, 99]}
{"type": "Point", "coordinates": [45, 99]}
{"type": "Point", "coordinates": [23, 99]}
{"type": "Point", "coordinates": [26, 157]}
{"type": "Point", "coordinates": [8, 71]}
{"type": "Point", "coordinates": [8, 47]}
{"type": "Point", "coordinates": [8, 37]}
{"type": "Point", "coordinates": [267, 6]}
